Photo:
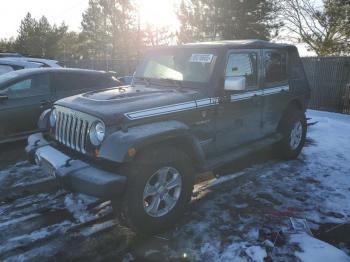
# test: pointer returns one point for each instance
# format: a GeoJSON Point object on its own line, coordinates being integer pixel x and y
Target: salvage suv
{"type": "Point", "coordinates": [189, 109]}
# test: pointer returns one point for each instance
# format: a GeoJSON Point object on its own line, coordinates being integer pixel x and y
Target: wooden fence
{"type": "Point", "coordinates": [329, 79]}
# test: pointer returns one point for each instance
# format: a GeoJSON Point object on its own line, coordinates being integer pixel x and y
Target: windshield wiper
{"type": "Point", "coordinates": [178, 83]}
{"type": "Point", "coordinates": [143, 79]}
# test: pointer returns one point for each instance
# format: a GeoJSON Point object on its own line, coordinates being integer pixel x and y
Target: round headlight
{"type": "Point", "coordinates": [53, 118]}
{"type": "Point", "coordinates": [97, 133]}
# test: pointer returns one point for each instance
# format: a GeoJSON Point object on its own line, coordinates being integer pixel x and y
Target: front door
{"type": "Point", "coordinates": [239, 113]}
{"type": "Point", "coordinates": [20, 111]}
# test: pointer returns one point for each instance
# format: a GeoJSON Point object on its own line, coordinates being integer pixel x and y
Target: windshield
{"type": "Point", "coordinates": [186, 65]}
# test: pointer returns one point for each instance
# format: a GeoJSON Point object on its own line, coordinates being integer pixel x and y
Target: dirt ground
{"type": "Point", "coordinates": [242, 216]}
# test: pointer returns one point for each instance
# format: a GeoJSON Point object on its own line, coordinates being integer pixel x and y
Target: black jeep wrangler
{"type": "Point", "coordinates": [189, 109]}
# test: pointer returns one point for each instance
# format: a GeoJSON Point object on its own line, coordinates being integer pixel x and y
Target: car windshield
{"type": "Point", "coordinates": [178, 65]}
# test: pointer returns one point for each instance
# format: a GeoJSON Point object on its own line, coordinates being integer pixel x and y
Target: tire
{"type": "Point", "coordinates": [293, 128]}
{"type": "Point", "coordinates": [139, 208]}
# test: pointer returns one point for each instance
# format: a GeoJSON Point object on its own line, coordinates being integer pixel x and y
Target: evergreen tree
{"type": "Point", "coordinates": [7, 45]}
{"type": "Point", "coordinates": [109, 29]}
{"type": "Point", "coordinates": [26, 41]}
{"type": "Point", "coordinates": [94, 36]}
{"type": "Point", "coordinates": [337, 18]}
{"type": "Point", "coordinates": [39, 38]}
{"type": "Point", "coordinates": [226, 19]}
{"type": "Point", "coordinates": [157, 36]}
{"type": "Point", "coordinates": [189, 23]}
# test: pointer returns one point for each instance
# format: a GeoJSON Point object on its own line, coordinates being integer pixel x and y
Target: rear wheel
{"type": "Point", "coordinates": [293, 128]}
{"type": "Point", "coordinates": [160, 184]}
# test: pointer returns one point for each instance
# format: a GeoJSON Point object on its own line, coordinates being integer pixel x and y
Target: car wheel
{"type": "Point", "coordinates": [160, 185]}
{"type": "Point", "coordinates": [293, 129]}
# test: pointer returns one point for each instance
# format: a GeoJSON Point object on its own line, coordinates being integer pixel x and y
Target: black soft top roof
{"type": "Point", "coordinates": [241, 44]}
{"type": "Point", "coordinates": [251, 43]}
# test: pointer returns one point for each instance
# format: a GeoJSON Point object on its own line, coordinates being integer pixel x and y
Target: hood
{"type": "Point", "coordinates": [111, 104]}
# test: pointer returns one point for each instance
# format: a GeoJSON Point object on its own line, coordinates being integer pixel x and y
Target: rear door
{"type": "Point", "coordinates": [275, 87]}
{"type": "Point", "coordinates": [239, 112]}
{"type": "Point", "coordinates": [26, 99]}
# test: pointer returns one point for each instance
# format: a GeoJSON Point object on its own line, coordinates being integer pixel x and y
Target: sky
{"type": "Point", "coordinates": [70, 11]}
{"type": "Point", "coordinates": [155, 12]}
{"type": "Point", "coordinates": [12, 12]}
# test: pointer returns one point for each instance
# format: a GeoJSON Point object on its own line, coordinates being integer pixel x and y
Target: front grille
{"type": "Point", "coordinates": [72, 131]}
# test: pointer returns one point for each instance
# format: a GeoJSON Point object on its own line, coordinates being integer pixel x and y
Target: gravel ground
{"type": "Point", "coordinates": [243, 216]}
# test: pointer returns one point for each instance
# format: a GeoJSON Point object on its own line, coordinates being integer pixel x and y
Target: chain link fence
{"type": "Point", "coordinates": [329, 79]}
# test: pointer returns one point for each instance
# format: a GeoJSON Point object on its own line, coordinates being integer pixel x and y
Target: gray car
{"type": "Point", "coordinates": [11, 63]}
{"type": "Point", "coordinates": [25, 94]}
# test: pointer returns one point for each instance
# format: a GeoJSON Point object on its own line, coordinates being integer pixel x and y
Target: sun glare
{"type": "Point", "coordinates": [158, 13]}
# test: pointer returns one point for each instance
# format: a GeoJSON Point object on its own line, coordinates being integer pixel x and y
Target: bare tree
{"type": "Point", "coordinates": [320, 26]}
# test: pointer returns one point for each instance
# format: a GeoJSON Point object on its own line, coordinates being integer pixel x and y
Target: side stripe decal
{"type": "Point", "coordinates": [171, 108]}
{"type": "Point", "coordinates": [162, 110]}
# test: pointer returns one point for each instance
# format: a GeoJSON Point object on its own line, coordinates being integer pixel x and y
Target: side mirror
{"type": "Point", "coordinates": [236, 83]}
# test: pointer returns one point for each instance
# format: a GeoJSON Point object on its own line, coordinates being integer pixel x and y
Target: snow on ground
{"type": "Point", "coordinates": [244, 216]}
{"type": "Point", "coordinates": [316, 250]}
{"type": "Point", "coordinates": [20, 173]}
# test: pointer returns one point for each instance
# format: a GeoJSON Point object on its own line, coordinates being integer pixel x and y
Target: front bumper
{"type": "Point", "coordinates": [74, 175]}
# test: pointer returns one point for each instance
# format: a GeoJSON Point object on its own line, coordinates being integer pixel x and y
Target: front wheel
{"type": "Point", "coordinates": [160, 185]}
{"type": "Point", "coordinates": [293, 129]}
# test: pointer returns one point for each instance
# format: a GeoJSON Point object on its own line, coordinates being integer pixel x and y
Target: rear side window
{"type": "Point", "coordinates": [243, 65]}
{"type": "Point", "coordinates": [275, 67]}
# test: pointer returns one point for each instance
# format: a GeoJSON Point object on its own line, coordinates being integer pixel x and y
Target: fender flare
{"type": "Point", "coordinates": [115, 147]}
{"type": "Point", "coordinates": [43, 121]}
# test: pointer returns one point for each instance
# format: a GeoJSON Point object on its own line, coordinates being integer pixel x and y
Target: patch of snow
{"type": "Point", "coordinates": [19, 174]}
{"type": "Point", "coordinates": [253, 234]}
{"type": "Point", "coordinates": [98, 227]}
{"type": "Point", "coordinates": [128, 257]}
{"type": "Point", "coordinates": [316, 250]}
{"type": "Point", "coordinates": [77, 205]}
{"type": "Point", "coordinates": [224, 179]}
{"type": "Point", "coordinates": [232, 253]}
{"type": "Point", "coordinates": [226, 221]}
{"type": "Point", "coordinates": [256, 253]}
{"type": "Point", "coordinates": [34, 236]}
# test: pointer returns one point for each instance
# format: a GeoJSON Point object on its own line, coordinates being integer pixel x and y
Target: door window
{"type": "Point", "coordinates": [34, 86]}
{"type": "Point", "coordinates": [275, 67]}
{"type": "Point", "coordinates": [243, 65]}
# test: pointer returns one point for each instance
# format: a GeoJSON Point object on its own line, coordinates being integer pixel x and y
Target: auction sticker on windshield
{"type": "Point", "coordinates": [201, 58]}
